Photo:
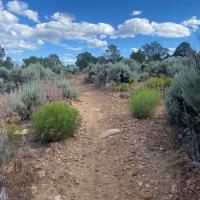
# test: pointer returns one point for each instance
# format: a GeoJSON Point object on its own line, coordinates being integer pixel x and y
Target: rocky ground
{"type": "Point", "coordinates": [113, 156]}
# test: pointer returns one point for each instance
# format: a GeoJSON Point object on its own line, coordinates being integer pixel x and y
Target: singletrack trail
{"type": "Point", "coordinates": [130, 165]}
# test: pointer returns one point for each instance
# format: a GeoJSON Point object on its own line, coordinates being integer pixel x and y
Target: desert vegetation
{"type": "Point", "coordinates": [38, 94]}
{"type": "Point", "coordinates": [150, 77]}
{"type": "Point", "coordinates": [25, 90]}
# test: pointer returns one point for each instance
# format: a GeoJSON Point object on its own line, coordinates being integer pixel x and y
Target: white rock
{"type": "Point", "coordinates": [109, 132]}
{"type": "Point", "coordinates": [24, 131]}
{"type": "Point", "coordinates": [33, 189]}
{"type": "Point", "coordinates": [57, 197]}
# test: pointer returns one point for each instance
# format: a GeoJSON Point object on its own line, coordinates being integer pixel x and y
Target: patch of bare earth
{"type": "Point", "coordinates": [130, 164]}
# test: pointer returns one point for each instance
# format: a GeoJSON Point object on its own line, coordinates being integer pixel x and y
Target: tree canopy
{"type": "Point", "coordinates": [5, 62]}
{"type": "Point", "coordinates": [138, 56]}
{"type": "Point", "coordinates": [112, 53]}
{"type": "Point", "coordinates": [184, 49]}
{"type": "Point", "coordinates": [155, 51]}
{"type": "Point", "coordinates": [84, 59]}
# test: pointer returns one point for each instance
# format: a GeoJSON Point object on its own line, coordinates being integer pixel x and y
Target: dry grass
{"type": "Point", "coordinates": [3, 102]}
{"type": "Point", "coordinates": [51, 91]}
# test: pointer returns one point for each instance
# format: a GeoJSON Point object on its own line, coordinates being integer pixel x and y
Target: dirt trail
{"type": "Point", "coordinates": [130, 165]}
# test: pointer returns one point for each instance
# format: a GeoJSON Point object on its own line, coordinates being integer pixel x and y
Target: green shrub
{"type": "Point", "coordinates": [4, 73]}
{"type": "Point", "coordinates": [103, 74]}
{"type": "Point", "coordinates": [17, 77]}
{"type": "Point", "coordinates": [26, 100]}
{"type": "Point", "coordinates": [5, 148]}
{"type": "Point", "coordinates": [7, 86]}
{"type": "Point", "coordinates": [183, 98]}
{"type": "Point", "coordinates": [124, 87]}
{"type": "Point", "coordinates": [72, 69]}
{"type": "Point", "coordinates": [168, 67]}
{"type": "Point", "coordinates": [120, 72]}
{"type": "Point", "coordinates": [8, 144]}
{"type": "Point", "coordinates": [68, 91]}
{"type": "Point", "coordinates": [55, 121]}
{"type": "Point", "coordinates": [159, 82]}
{"type": "Point", "coordinates": [143, 102]}
{"type": "Point", "coordinates": [37, 72]}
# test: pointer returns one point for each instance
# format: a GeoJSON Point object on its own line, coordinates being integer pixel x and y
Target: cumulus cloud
{"type": "Point", "coordinates": [21, 8]}
{"type": "Point", "coordinates": [13, 34]}
{"type": "Point", "coordinates": [134, 49]}
{"type": "Point", "coordinates": [136, 12]}
{"type": "Point", "coordinates": [135, 26]}
{"type": "Point", "coordinates": [63, 26]}
{"type": "Point", "coordinates": [193, 22]}
{"type": "Point", "coordinates": [170, 30]}
{"type": "Point", "coordinates": [143, 26]}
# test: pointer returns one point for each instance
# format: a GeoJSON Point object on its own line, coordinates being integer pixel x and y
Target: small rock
{"type": "Point", "coordinates": [173, 188]}
{"type": "Point", "coordinates": [134, 173]}
{"type": "Point", "coordinates": [146, 195]}
{"type": "Point", "coordinates": [109, 132]}
{"type": "Point", "coordinates": [141, 167]}
{"type": "Point", "coordinates": [33, 189]}
{"type": "Point", "coordinates": [24, 131]}
{"type": "Point", "coordinates": [140, 183]}
{"type": "Point", "coordinates": [57, 197]}
{"type": "Point", "coordinates": [147, 185]}
{"type": "Point", "coordinates": [124, 95]}
{"type": "Point", "coordinates": [41, 174]}
{"type": "Point", "coordinates": [48, 150]}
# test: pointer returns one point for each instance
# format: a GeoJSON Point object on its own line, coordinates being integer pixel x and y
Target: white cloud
{"type": "Point", "coordinates": [63, 26]}
{"type": "Point", "coordinates": [136, 12]}
{"type": "Point", "coordinates": [170, 30]}
{"type": "Point", "coordinates": [134, 49]}
{"type": "Point", "coordinates": [193, 22]}
{"type": "Point", "coordinates": [13, 51]}
{"type": "Point", "coordinates": [67, 47]}
{"type": "Point", "coordinates": [13, 34]}
{"type": "Point", "coordinates": [97, 43]}
{"type": "Point", "coordinates": [21, 8]}
{"type": "Point", "coordinates": [142, 26]}
{"type": "Point", "coordinates": [135, 26]}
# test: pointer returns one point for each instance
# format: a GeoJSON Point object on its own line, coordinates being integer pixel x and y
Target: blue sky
{"type": "Point", "coordinates": [69, 27]}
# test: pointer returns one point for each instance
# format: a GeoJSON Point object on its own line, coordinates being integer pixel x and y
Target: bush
{"type": "Point", "coordinates": [26, 100]}
{"type": "Point", "coordinates": [124, 87]}
{"type": "Point", "coordinates": [159, 82]}
{"type": "Point", "coordinates": [168, 67]}
{"type": "Point", "coordinates": [17, 77]}
{"type": "Point", "coordinates": [8, 144]}
{"type": "Point", "coordinates": [143, 102]}
{"type": "Point", "coordinates": [183, 98]}
{"type": "Point", "coordinates": [4, 73]}
{"type": "Point", "coordinates": [55, 121]}
{"type": "Point", "coordinates": [72, 69]}
{"type": "Point", "coordinates": [7, 87]}
{"type": "Point", "coordinates": [68, 91]}
{"type": "Point", "coordinates": [104, 74]}
{"type": "Point", "coordinates": [37, 72]}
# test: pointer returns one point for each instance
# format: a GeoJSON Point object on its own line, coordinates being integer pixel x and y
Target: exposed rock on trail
{"type": "Point", "coordinates": [130, 164]}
